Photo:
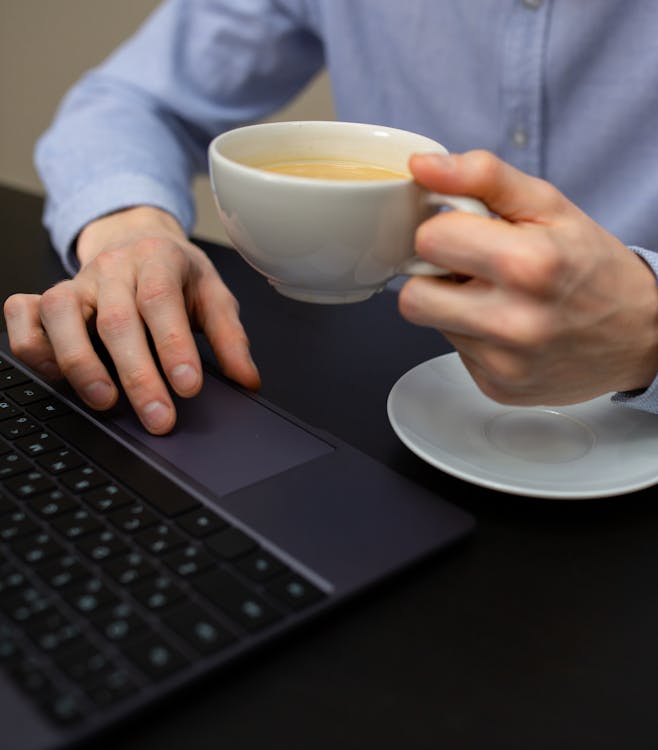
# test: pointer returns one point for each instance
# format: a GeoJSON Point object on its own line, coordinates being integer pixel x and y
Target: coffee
{"type": "Point", "coordinates": [321, 169]}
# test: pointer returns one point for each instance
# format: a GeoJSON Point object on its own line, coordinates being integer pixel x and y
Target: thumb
{"type": "Point", "coordinates": [505, 190]}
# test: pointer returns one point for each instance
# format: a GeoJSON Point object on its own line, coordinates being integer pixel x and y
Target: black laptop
{"type": "Point", "coordinates": [131, 565]}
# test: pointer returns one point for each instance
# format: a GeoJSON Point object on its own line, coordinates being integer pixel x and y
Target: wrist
{"type": "Point", "coordinates": [124, 226]}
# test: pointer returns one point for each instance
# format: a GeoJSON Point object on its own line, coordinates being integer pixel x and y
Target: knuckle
{"type": "Point", "coordinates": [27, 347]}
{"type": "Point", "coordinates": [548, 196]}
{"type": "Point", "coordinates": [109, 262]}
{"type": "Point", "coordinates": [539, 269]}
{"type": "Point", "coordinates": [409, 304]}
{"type": "Point", "coordinates": [485, 164]}
{"type": "Point", "coordinates": [425, 238]}
{"type": "Point", "coordinates": [57, 297]}
{"type": "Point", "coordinates": [72, 362]}
{"type": "Point", "coordinates": [14, 305]}
{"type": "Point", "coordinates": [172, 341]}
{"type": "Point", "coordinates": [521, 327]}
{"type": "Point", "coordinates": [136, 380]}
{"type": "Point", "coordinates": [155, 291]}
{"type": "Point", "coordinates": [112, 321]}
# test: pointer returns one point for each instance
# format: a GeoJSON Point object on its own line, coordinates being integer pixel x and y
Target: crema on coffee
{"type": "Point", "coordinates": [321, 169]}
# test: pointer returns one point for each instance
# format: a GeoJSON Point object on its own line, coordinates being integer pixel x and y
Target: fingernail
{"type": "Point", "coordinates": [184, 377]}
{"type": "Point", "coordinates": [156, 415]}
{"type": "Point", "coordinates": [99, 393]}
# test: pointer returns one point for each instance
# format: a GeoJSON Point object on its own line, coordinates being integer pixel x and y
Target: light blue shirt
{"type": "Point", "coordinates": [563, 89]}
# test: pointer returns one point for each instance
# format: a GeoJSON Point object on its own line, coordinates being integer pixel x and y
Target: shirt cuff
{"type": "Point", "coordinates": [120, 191]}
{"type": "Point", "coordinates": [645, 399]}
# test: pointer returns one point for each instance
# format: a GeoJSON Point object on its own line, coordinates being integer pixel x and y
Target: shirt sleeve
{"type": "Point", "coordinates": [645, 399]}
{"type": "Point", "coordinates": [135, 130]}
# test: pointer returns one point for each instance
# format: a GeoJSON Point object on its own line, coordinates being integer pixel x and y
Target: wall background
{"type": "Point", "coordinates": [45, 45]}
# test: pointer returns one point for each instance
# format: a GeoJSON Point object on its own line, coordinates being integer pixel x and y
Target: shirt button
{"type": "Point", "coordinates": [532, 4]}
{"type": "Point", "coordinates": [520, 137]}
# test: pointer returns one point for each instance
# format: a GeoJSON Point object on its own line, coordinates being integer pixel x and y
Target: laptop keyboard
{"type": "Point", "coordinates": [112, 577]}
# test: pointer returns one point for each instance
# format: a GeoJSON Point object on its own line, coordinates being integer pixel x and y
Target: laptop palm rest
{"type": "Point", "coordinates": [344, 517]}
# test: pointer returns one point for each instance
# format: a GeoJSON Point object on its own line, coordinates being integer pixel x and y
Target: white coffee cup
{"type": "Point", "coordinates": [325, 240]}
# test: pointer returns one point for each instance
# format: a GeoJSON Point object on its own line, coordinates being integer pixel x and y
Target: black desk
{"type": "Point", "coordinates": [541, 631]}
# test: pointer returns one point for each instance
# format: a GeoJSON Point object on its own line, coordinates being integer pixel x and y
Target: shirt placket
{"type": "Point", "coordinates": [524, 57]}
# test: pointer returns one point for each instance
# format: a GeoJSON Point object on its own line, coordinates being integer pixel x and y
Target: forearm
{"type": "Point", "coordinates": [135, 130]}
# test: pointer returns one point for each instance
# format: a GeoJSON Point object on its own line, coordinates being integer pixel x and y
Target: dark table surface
{"type": "Point", "coordinates": [539, 631]}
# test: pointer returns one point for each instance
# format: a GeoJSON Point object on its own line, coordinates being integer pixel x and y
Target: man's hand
{"type": "Point", "coordinates": [545, 306]}
{"type": "Point", "coordinates": [138, 272]}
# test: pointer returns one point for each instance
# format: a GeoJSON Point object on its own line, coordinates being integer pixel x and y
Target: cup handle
{"type": "Point", "coordinates": [416, 267]}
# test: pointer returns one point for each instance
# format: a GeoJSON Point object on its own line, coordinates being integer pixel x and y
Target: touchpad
{"type": "Point", "coordinates": [225, 440]}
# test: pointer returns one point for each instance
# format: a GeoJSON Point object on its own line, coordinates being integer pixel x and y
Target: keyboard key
{"type": "Point", "coordinates": [130, 569]}
{"type": "Point", "coordinates": [77, 524]}
{"type": "Point", "coordinates": [230, 543]}
{"type": "Point", "coordinates": [18, 426]}
{"type": "Point", "coordinates": [7, 409]}
{"type": "Point", "coordinates": [173, 501]}
{"type": "Point", "coordinates": [11, 651]}
{"type": "Point", "coordinates": [12, 463]}
{"type": "Point", "coordinates": [83, 479]}
{"type": "Point", "coordinates": [121, 623]}
{"type": "Point", "coordinates": [90, 595]}
{"type": "Point", "coordinates": [108, 498]}
{"type": "Point", "coordinates": [12, 579]}
{"type": "Point", "coordinates": [201, 522]}
{"type": "Point", "coordinates": [236, 600]}
{"type": "Point", "coordinates": [26, 604]}
{"type": "Point", "coordinates": [17, 524]}
{"type": "Point", "coordinates": [63, 708]}
{"type": "Point", "coordinates": [133, 518]}
{"type": "Point", "coordinates": [158, 593]}
{"type": "Point", "coordinates": [44, 410]}
{"type": "Point", "coordinates": [260, 565]}
{"type": "Point", "coordinates": [155, 656]}
{"type": "Point", "coordinates": [189, 561]}
{"type": "Point", "coordinates": [59, 573]}
{"type": "Point", "coordinates": [103, 545]}
{"type": "Point", "coordinates": [295, 591]}
{"type": "Point", "coordinates": [39, 442]}
{"type": "Point", "coordinates": [53, 503]}
{"type": "Point", "coordinates": [200, 630]}
{"type": "Point", "coordinates": [159, 539]}
{"type": "Point", "coordinates": [53, 632]}
{"type": "Point", "coordinates": [11, 376]}
{"type": "Point", "coordinates": [34, 550]}
{"type": "Point", "coordinates": [60, 460]}
{"type": "Point", "coordinates": [29, 484]}
{"type": "Point", "coordinates": [27, 394]}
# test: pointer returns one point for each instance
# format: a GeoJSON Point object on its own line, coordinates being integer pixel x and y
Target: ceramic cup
{"type": "Point", "coordinates": [325, 240]}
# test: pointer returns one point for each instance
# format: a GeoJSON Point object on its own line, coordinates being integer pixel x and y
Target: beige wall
{"type": "Point", "coordinates": [45, 45]}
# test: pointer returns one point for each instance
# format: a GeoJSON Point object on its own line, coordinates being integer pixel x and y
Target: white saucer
{"type": "Point", "coordinates": [597, 448]}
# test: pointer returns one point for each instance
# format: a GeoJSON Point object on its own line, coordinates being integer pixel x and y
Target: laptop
{"type": "Point", "coordinates": [133, 565]}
